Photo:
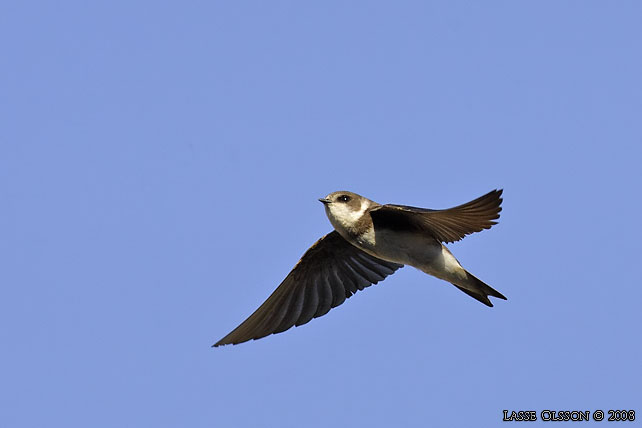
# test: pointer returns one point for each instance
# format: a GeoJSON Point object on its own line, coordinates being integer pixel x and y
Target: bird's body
{"type": "Point", "coordinates": [424, 253]}
{"type": "Point", "coordinates": [371, 241]}
{"type": "Point", "coordinates": [403, 247]}
{"type": "Point", "coordinates": [399, 245]}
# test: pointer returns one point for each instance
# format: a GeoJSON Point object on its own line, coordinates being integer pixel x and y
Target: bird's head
{"type": "Point", "coordinates": [345, 210]}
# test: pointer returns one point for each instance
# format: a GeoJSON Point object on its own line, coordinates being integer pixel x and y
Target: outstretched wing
{"type": "Point", "coordinates": [328, 273]}
{"type": "Point", "coordinates": [447, 225]}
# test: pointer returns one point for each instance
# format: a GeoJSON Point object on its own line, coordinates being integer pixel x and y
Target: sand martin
{"type": "Point", "coordinates": [371, 241]}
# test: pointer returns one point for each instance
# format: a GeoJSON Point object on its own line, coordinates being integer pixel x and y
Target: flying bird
{"type": "Point", "coordinates": [371, 241]}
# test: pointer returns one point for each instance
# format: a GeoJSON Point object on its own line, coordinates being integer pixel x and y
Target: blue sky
{"type": "Point", "coordinates": [160, 165]}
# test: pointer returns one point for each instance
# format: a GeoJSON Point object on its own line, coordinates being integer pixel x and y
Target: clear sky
{"type": "Point", "coordinates": [160, 165]}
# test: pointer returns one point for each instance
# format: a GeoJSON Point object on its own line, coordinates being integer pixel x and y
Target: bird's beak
{"type": "Point", "coordinates": [324, 201]}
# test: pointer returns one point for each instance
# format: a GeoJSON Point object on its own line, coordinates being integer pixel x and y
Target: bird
{"type": "Point", "coordinates": [371, 241]}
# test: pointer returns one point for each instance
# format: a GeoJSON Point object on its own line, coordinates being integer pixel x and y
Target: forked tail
{"type": "Point", "coordinates": [479, 290]}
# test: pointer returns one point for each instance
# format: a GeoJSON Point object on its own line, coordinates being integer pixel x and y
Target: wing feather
{"type": "Point", "coordinates": [327, 274]}
{"type": "Point", "coordinates": [311, 301]}
{"type": "Point", "coordinates": [325, 295]}
{"type": "Point", "coordinates": [339, 287]}
{"type": "Point", "coordinates": [447, 225]}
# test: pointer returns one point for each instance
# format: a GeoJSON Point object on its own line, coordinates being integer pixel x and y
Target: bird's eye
{"type": "Point", "coordinates": [344, 198]}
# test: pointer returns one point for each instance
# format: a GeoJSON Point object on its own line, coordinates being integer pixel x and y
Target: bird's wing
{"type": "Point", "coordinates": [447, 225]}
{"type": "Point", "coordinates": [328, 273]}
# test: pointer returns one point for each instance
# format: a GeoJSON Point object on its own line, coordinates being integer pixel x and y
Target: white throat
{"type": "Point", "coordinates": [343, 218]}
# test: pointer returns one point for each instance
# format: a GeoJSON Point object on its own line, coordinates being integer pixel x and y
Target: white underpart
{"type": "Point", "coordinates": [368, 237]}
{"type": "Point", "coordinates": [450, 263]}
{"type": "Point", "coordinates": [445, 266]}
{"type": "Point", "coordinates": [417, 250]}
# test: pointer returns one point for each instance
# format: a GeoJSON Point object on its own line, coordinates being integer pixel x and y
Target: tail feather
{"type": "Point", "coordinates": [479, 290]}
